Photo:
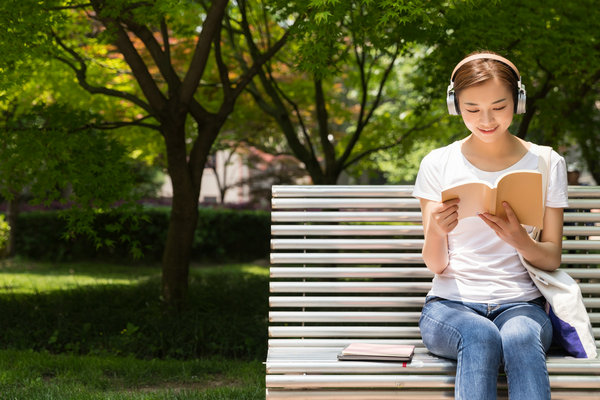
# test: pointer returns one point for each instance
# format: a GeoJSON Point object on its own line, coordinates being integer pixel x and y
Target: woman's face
{"type": "Point", "coordinates": [487, 109]}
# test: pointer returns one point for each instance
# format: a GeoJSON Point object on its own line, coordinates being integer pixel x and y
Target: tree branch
{"type": "Point", "coordinates": [259, 61]}
{"type": "Point", "coordinates": [161, 57]}
{"type": "Point", "coordinates": [210, 27]}
{"type": "Point", "coordinates": [155, 97]}
{"type": "Point", "coordinates": [165, 38]}
{"type": "Point", "coordinates": [398, 141]}
{"type": "Point", "coordinates": [297, 112]}
{"type": "Point", "coordinates": [120, 124]}
{"type": "Point", "coordinates": [81, 74]}
{"type": "Point", "coordinates": [361, 123]}
{"type": "Point", "coordinates": [322, 120]}
{"type": "Point", "coordinates": [223, 70]}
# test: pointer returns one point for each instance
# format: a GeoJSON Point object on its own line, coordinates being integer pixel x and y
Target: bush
{"type": "Point", "coordinates": [222, 235]}
{"type": "Point", "coordinates": [226, 315]}
{"type": "Point", "coordinates": [4, 232]}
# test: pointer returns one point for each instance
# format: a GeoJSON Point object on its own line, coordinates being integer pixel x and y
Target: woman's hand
{"type": "Point", "coordinates": [509, 229]}
{"type": "Point", "coordinates": [438, 220]}
{"type": "Point", "coordinates": [444, 216]}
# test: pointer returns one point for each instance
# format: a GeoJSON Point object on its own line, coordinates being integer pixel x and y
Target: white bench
{"type": "Point", "coordinates": [346, 267]}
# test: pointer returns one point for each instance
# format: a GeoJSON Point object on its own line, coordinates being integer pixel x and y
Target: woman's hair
{"type": "Point", "coordinates": [480, 70]}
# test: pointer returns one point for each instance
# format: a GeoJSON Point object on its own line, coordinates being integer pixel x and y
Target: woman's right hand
{"type": "Point", "coordinates": [443, 216]}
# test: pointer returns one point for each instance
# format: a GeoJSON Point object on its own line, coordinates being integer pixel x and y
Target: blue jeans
{"type": "Point", "coordinates": [481, 337]}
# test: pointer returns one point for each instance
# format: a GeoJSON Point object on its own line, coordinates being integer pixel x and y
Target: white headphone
{"type": "Point", "coordinates": [451, 99]}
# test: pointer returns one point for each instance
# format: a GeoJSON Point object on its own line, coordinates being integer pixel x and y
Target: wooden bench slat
{"type": "Point", "coordinates": [581, 244]}
{"type": "Point", "coordinates": [583, 204]}
{"type": "Point", "coordinates": [359, 316]}
{"type": "Point", "coordinates": [390, 272]}
{"type": "Point", "coordinates": [390, 244]}
{"type": "Point", "coordinates": [308, 381]}
{"type": "Point", "coordinates": [383, 190]}
{"type": "Point", "coordinates": [345, 301]}
{"type": "Point", "coordinates": [390, 258]}
{"type": "Point", "coordinates": [337, 203]}
{"type": "Point", "coordinates": [350, 272]}
{"type": "Point", "coordinates": [342, 342]}
{"type": "Point", "coordinates": [343, 331]}
{"type": "Point", "coordinates": [387, 216]}
{"type": "Point", "coordinates": [351, 287]}
{"type": "Point", "coordinates": [343, 316]}
{"type": "Point", "coordinates": [582, 217]}
{"type": "Point", "coordinates": [356, 244]}
{"type": "Point", "coordinates": [581, 231]}
{"type": "Point", "coordinates": [345, 216]}
{"type": "Point", "coordinates": [376, 287]}
{"type": "Point", "coordinates": [342, 191]}
{"type": "Point", "coordinates": [346, 258]}
{"type": "Point", "coordinates": [366, 301]}
{"type": "Point", "coordinates": [275, 394]}
{"type": "Point", "coordinates": [297, 381]}
{"type": "Point", "coordinates": [351, 230]}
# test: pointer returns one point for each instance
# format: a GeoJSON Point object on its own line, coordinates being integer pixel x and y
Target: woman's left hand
{"type": "Point", "coordinates": [509, 229]}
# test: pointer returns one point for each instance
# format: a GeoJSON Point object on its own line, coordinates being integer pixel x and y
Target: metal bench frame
{"type": "Point", "coordinates": [346, 267]}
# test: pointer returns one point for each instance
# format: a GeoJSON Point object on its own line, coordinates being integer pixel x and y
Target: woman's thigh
{"type": "Point", "coordinates": [524, 325]}
{"type": "Point", "coordinates": [447, 327]}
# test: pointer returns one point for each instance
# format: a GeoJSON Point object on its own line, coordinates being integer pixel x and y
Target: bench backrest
{"type": "Point", "coordinates": [346, 263]}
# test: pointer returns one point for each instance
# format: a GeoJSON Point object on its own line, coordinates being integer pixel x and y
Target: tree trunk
{"type": "Point", "coordinates": [176, 256]}
{"type": "Point", "coordinates": [182, 223]}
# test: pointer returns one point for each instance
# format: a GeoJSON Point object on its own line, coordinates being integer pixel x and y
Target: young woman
{"type": "Point", "coordinates": [483, 309]}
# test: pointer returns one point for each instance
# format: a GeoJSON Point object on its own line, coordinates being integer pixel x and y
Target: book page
{"type": "Point", "coordinates": [523, 191]}
{"type": "Point", "coordinates": [475, 197]}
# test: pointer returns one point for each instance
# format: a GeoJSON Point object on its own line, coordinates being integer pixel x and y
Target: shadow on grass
{"type": "Point", "coordinates": [226, 315]}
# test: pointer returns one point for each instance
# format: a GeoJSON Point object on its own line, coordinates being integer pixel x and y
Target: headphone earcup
{"type": "Point", "coordinates": [521, 105]}
{"type": "Point", "coordinates": [451, 102]}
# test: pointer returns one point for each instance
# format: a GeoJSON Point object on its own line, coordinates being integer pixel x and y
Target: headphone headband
{"type": "Point", "coordinates": [489, 56]}
{"type": "Point", "coordinates": [452, 102]}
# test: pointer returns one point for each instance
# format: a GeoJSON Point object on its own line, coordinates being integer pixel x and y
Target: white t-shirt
{"type": "Point", "coordinates": [482, 267]}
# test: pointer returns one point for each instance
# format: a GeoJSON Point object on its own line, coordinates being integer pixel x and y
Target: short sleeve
{"type": "Point", "coordinates": [428, 185]}
{"type": "Point", "coordinates": [557, 196]}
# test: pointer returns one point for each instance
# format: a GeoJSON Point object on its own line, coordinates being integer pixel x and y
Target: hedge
{"type": "Point", "coordinates": [222, 235]}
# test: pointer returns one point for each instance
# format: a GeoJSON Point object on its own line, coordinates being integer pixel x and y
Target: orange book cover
{"type": "Point", "coordinates": [522, 189]}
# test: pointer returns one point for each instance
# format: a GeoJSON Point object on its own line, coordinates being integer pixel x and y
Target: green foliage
{"type": "Point", "coordinates": [4, 232]}
{"type": "Point", "coordinates": [49, 154]}
{"type": "Point", "coordinates": [225, 315]}
{"type": "Point", "coordinates": [221, 235]}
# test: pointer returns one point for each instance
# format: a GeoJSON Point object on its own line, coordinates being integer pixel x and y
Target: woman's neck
{"type": "Point", "coordinates": [494, 156]}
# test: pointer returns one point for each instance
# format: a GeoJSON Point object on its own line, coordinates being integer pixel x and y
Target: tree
{"type": "Point", "coordinates": [171, 49]}
{"type": "Point", "coordinates": [326, 91]}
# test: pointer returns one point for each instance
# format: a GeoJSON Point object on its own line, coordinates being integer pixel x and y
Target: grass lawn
{"type": "Point", "coordinates": [31, 375]}
{"type": "Point", "coordinates": [103, 373]}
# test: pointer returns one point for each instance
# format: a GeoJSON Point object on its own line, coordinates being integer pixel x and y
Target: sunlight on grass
{"type": "Point", "coordinates": [22, 277]}
{"type": "Point", "coordinates": [28, 277]}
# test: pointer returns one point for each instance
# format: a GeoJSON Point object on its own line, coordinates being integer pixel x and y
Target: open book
{"type": "Point", "coordinates": [522, 189]}
{"type": "Point", "coordinates": [377, 352]}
